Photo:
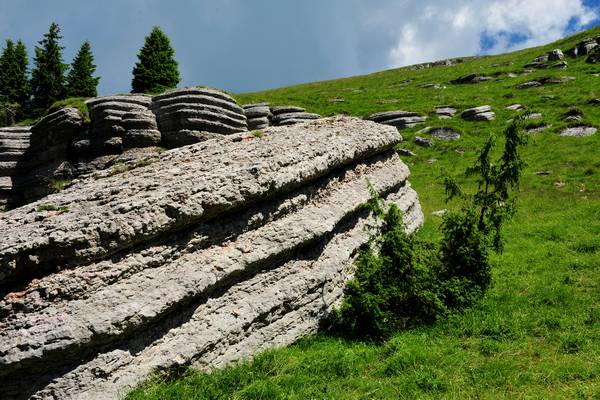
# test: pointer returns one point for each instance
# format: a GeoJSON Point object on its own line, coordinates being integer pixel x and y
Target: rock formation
{"type": "Point", "coordinates": [258, 115]}
{"type": "Point", "coordinates": [192, 115]}
{"type": "Point", "coordinates": [289, 115]}
{"type": "Point", "coordinates": [445, 112]}
{"type": "Point", "coordinates": [14, 142]}
{"type": "Point", "coordinates": [481, 113]}
{"type": "Point", "coordinates": [209, 254]}
{"type": "Point", "coordinates": [471, 78]}
{"type": "Point", "coordinates": [399, 118]}
{"type": "Point", "coordinates": [579, 131]}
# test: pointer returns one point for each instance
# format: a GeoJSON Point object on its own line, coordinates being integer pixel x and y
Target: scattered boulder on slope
{"type": "Point", "coordinates": [191, 115]}
{"type": "Point", "coordinates": [399, 118]}
{"type": "Point", "coordinates": [515, 107]}
{"type": "Point", "coordinates": [213, 252]}
{"type": "Point", "coordinates": [481, 113]}
{"type": "Point", "coordinates": [594, 56]}
{"type": "Point", "coordinates": [444, 134]}
{"type": "Point", "coordinates": [579, 131]}
{"type": "Point", "coordinates": [560, 65]}
{"type": "Point", "coordinates": [445, 111]}
{"type": "Point", "coordinates": [555, 55]}
{"type": "Point", "coordinates": [471, 78]}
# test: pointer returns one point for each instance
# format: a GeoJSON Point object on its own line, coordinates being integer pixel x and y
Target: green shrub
{"type": "Point", "coordinates": [401, 281]}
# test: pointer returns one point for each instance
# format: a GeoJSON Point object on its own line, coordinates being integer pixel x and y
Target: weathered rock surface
{"type": "Point", "coordinates": [445, 112]}
{"type": "Point", "coordinates": [481, 113]}
{"type": "Point", "coordinates": [579, 131]}
{"type": "Point", "coordinates": [400, 119]}
{"type": "Point", "coordinates": [555, 55]}
{"type": "Point", "coordinates": [444, 134]}
{"type": "Point", "coordinates": [423, 142]}
{"type": "Point", "coordinates": [515, 107]}
{"type": "Point", "coordinates": [471, 78]}
{"type": "Point", "coordinates": [594, 56]}
{"type": "Point", "coordinates": [212, 252]}
{"type": "Point", "coordinates": [293, 118]}
{"type": "Point", "coordinates": [185, 116]}
{"type": "Point", "coordinates": [14, 143]}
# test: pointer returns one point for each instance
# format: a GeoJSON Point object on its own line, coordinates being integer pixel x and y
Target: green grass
{"type": "Point", "coordinates": [74, 102]}
{"type": "Point", "coordinates": [536, 333]}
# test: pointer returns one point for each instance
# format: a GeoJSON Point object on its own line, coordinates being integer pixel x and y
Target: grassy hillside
{"type": "Point", "coordinates": [537, 332]}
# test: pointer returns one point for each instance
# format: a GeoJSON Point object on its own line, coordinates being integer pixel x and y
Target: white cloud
{"type": "Point", "coordinates": [451, 28]}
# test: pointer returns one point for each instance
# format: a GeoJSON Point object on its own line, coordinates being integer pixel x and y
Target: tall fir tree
{"type": "Point", "coordinates": [80, 82]}
{"type": "Point", "coordinates": [14, 82]}
{"type": "Point", "coordinates": [48, 75]}
{"type": "Point", "coordinates": [20, 78]}
{"type": "Point", "coordinates": [156, 69]}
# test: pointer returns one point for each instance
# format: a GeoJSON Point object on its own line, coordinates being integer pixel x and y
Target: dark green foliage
{"type": "Point", "coordinates": [48, 75]}
{"type": "Point", "coordinates": [156, 69]}
{"type": "Point", "coordinates": [14, 84]}
{"type": "Point", "coordinates": [401, 282]}
{"type": "Point", "coordinates": [393, 288]}
{"type": "Point", "coordinates": [80, 81]}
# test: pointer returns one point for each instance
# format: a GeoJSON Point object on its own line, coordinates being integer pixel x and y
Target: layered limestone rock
{"type": "Point", "coordinates": [481, 113]}
{"type": "Point", "coordinates": [14, 142]}
{"type": "Point", "coordinates": [117, 122]}
{"type": "Point", "coordinates": [192, 115]}
{"type": "Point", "coordinates": [258, 115]}
{"type": "Point", "coordinates": [209, 254]}
{"type": "Point", "coordinates": [290, 115]}
{"type": "Point", "coordinates": [46, 158]}
{"type": "Point", "coordinates": [399, 118]}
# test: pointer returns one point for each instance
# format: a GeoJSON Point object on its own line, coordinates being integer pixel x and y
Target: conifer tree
{"type": "Point", "coordinates": [156, 69]}
{"type": "Point", "coordinates": [80, 82]}
{"type": "Point", "coordinates": [48, 75]}
{"type": "Point", "coordinates": [6, 60]}
{"type": "Point", "coordinates": [14, 83]}
{"type": "Point", "coordinates": [19, 79]}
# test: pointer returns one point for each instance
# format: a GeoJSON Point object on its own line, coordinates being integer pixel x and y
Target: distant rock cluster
{"type": "Point", "coordinates": [589, 47]}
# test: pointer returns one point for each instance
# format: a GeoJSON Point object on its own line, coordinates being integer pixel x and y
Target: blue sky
{"type": "Point", "coordinates": [247, 45]}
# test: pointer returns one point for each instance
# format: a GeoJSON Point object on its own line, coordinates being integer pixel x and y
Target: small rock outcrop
{"type": "Point", "coordinates": [191, 115]}
{"type": "Point", "coordinates": [290, 115]}
{"type": "Point", "coordinates": [471, 78]}
{"type": "Point", "coordinates": [258, 115]}
{"type": "Point", "coordinates": [445, 111]}
{"type": "Point", "coordinates": [444, 134]}
{"type": "Point", "coordinates": [399, 118]}
{"type": "Point", "coordinates": [555, 55]}
{"type": "Point", "coordinates": [118, 122]}
{"type": "Point", "coordinates": [213, 252]}
{"type": "Point", "coordinates": [579, 131]}
{"type": "Point", "coordinates": [481, 113]}
{"type": "Point", "coordinates": [515, 107]}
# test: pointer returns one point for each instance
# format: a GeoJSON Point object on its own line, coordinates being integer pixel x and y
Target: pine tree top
{"type": "Point", "coordinates": [80, 81]}
{"type": "Point", "coordinates": [156, 69]}
{"type": "Point", "coordinates": [48, 80]}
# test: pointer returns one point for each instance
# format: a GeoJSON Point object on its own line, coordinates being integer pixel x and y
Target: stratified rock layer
{"type": "Point", "coordinates": [209, 254]}
{"type": "Point", "coordinates": [185, 116]}
{"type": "Point", "coordinates": [14, 142]}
